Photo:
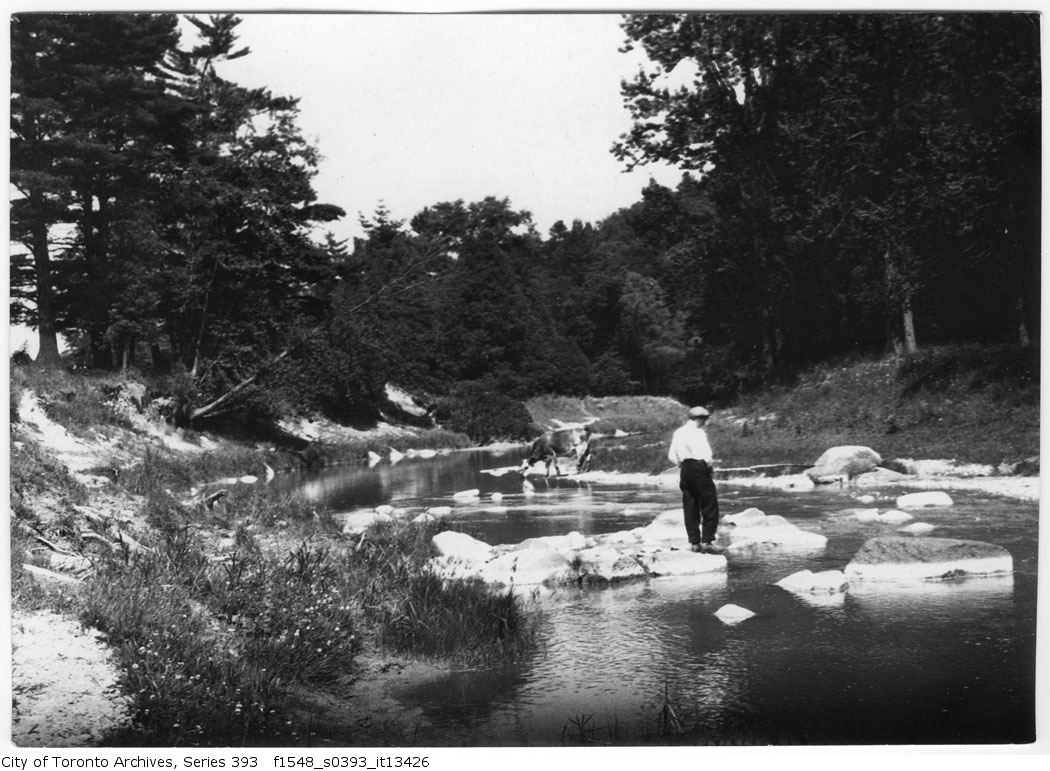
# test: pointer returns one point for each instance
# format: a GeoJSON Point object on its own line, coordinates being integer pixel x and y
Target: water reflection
{"type": "Point", "coordinates": [941, 601]}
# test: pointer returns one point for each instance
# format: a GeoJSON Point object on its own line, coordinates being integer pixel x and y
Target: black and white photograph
{"type": "Point", "coordinates": [521, 378]}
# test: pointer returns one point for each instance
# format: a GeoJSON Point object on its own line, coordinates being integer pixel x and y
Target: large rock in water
{"type": "Point", "coordinates": [461, 546]}
{"type": "Point", "coordinates": [606, 564]}
{"type": "Point", "coordinates": [896, 558]}
{"type": "Point", "coordinates": [751, 531]}
{"type": "Point", "coordinates": [808, 582]}
{"type": "Point", "coordinates": [846, 461]}
{"type": "Point", "coordinates": [528, 567]}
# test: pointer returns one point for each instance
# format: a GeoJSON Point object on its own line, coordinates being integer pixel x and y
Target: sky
{"type": "Point", "coordinates": [413, 110]}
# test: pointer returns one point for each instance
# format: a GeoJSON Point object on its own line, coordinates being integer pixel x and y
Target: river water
{"type": "Point", "coordinates": [945, 663]}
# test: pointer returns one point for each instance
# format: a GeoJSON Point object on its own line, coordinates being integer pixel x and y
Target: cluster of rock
{"type": "Point", "coordinates": [652, 550]}
{"type": "Point", "coordinates": [657, 549]}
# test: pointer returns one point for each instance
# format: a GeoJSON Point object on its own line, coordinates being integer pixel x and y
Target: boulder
{"type": "Point", "coordinates": [897, 558]}
{"type": "Point", "coordinates": [461, 546]}
{"type": "Point", "coordinates": [917, 528]}
{"type": "Point", "coordinates": [923, 500]}
{"type": "Point", "coordinates": [606, 564]}
{"type": "Point", "coordinates": [466, 495]}
{"type": "Point", "coordinates": [386, 510]}
{"type": "Point", "coordinates": [439, 511]}
{"type": "Point", "coordinates": [846, 461]}
{"type": "Point", "coordinates": [424, 518]}
{"type": "Point", "coordinates": [529, 566]}
{"type": "Point", "coordinates": [682, 563]}
{"type": "Point", "coordinates": [808, 582]}
{"type": "Point", "coordinates": [733, 614]}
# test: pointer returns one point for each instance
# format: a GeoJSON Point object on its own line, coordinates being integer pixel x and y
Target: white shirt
{"type": "Point", "coordinates": [690, 441]}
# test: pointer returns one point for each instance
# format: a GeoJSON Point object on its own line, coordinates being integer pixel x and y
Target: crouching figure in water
{"type": "Point", "coordinates": [564, 441]}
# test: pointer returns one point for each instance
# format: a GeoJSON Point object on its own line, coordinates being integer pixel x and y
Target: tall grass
{"type": "Point", "coordinates": [412, 611]}
{"type": "Point", "coordinates": [210, 652]}
{"type": "Point", "coordinates": [81, 403]}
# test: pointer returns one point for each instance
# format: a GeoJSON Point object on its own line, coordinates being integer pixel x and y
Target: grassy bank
{"type": "Point", "coordinates": [975, 404]}
{"type": "Point", "coordinates": [240, 623]}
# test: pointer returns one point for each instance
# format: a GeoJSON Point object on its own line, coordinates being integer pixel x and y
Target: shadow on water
{"type": "Point", "coordinates": [950, 662]}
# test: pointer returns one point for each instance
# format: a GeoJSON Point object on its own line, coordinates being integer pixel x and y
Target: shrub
{"type": "Point", "coordinates": [969, 368]}
{"type": "Point", "coordinates": [483, 413]}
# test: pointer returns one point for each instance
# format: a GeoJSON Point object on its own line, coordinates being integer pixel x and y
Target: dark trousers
{"type": "Point", "coordinates": [699, 501]}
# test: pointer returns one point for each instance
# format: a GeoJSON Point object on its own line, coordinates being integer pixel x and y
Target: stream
{"type": "Point", "coordinates": [943, 663]}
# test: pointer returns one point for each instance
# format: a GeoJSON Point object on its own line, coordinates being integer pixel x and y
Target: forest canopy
{"type": "Point", "coordinates": [852, 182]}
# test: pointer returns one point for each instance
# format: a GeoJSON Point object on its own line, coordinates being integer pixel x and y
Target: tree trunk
{"type": "Point", "coordinates": [910, 343]}
{"type": "Point", "coordinates": [48, 355]}
{"type": "Point", "coordinates": [218, 405]}
{"type": "Point", "coordinates": [1022, 327]}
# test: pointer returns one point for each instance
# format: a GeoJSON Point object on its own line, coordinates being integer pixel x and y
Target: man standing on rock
{"type": "Point", "coordinates": [691, 452]}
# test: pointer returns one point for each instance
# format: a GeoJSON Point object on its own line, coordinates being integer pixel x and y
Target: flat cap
{"type": "Point", "coordinates": [699, 412]}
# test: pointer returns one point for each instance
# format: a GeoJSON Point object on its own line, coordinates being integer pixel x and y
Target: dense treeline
{"type": "Point", "coordinates": [851, 182]}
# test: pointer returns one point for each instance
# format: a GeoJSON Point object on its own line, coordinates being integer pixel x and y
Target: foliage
{"type": "Point", "coordinates": [414, 611]}
{"type": "Point", "coordinates": [482, 412]}
{"type": "Point", "coordinates": [852, 184]}
{"type": "Point", "coordinates": [793, 253]}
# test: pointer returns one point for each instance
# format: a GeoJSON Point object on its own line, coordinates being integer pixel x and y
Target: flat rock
{"type": "Point", "coordinates": [746, 518]}
{"type": "Point", "coordinates": [897, 558]}
{"type": "Point", "coordinates": [761, 533]}
{"type": "Point", "coordinates": [449, 543]}
{"type": "Point", "coordinates": [605, 563]}
{"type": "Point", "coordinates": [356, 522]}
{"type": "Point", "coordinates": [808, 582]}
{"type": "Point", "coordinates": [895, 517]}
{"type": "Point", "coordinates": [917, 528]}
{"type": "Point", "coordinates": [566, 544]}
{"type": "Point", "coordinates": [529, 567]}
{"type": "Point", "coordinates": [865, 515]}
{"type": "Point", "coordinates": [879, 477]}
{"type": "Point", "coordinates": [733, 614]}
{"type": "Point", "coordinates": [682, 563]}
{"type": "Point", "coordinates": [922, 500]}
